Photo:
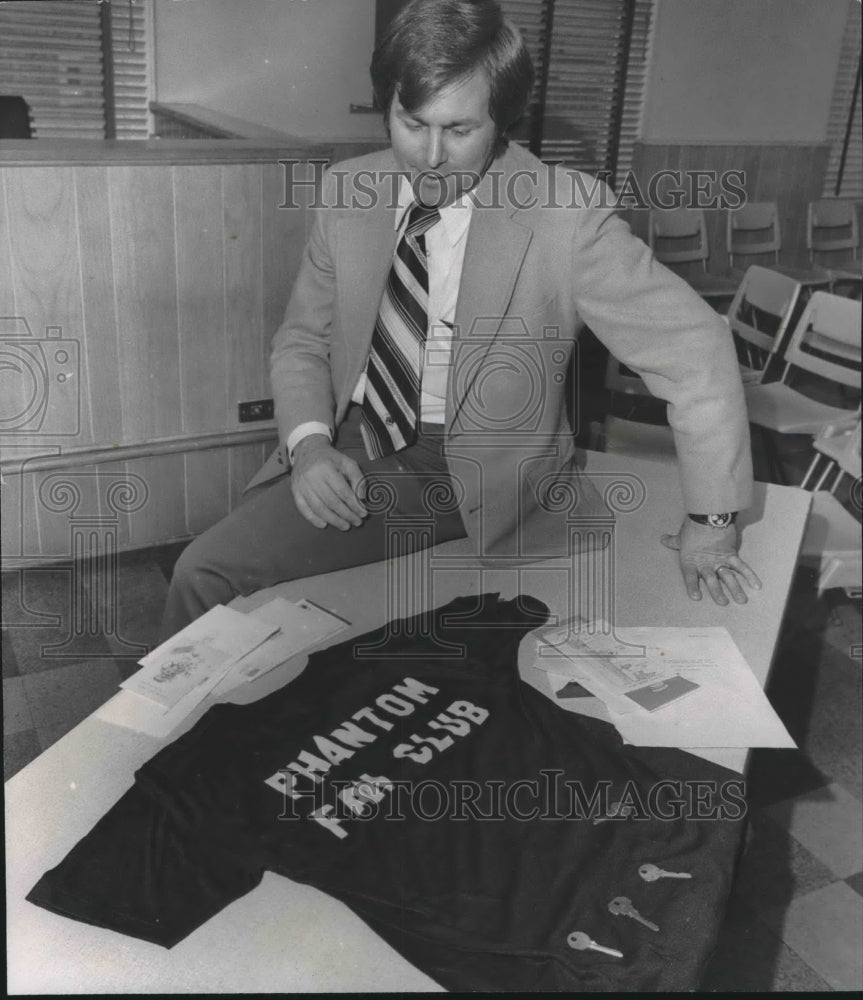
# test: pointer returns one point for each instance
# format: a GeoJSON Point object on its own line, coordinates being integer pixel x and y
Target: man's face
{"type": "Point", "coordinates": [447, 143]}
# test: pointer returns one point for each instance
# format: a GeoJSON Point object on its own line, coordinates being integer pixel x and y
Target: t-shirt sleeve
{"type": "Point", "coordinates": [144, 871]}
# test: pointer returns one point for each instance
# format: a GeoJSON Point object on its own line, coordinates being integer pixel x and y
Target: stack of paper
{"type": "Point", "coordinates": [185, 668]}
{"type": "Point", "coordinates": [300, 626]}
{"type": "Point", "coordinates": [218, 652]}
{"type": "Point", "coordinates": [675, 687]}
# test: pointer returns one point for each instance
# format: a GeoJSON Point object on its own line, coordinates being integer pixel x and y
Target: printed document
{"type": "Point", "coordinates": [679, 687]}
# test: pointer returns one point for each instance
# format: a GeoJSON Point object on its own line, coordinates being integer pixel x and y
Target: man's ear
{"type": "Point", "coordinates": [387, 113]}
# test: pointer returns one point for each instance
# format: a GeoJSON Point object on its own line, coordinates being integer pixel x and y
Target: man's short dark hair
{"type": "Point", "coordinates": [433, 44]}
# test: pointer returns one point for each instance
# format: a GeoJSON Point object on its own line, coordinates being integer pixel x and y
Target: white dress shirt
{"type": "Point", "coordinates": [445, 247]}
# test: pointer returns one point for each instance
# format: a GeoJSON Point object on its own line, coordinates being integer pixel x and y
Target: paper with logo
{"type": "Point", "coordinates": [728, 708]}
{"type": "Point", "coordinates": [312, 625]}
{"type": "Point", "coordinates": [197, 657]}
{"type": "Point", "coordinates": [627, 673]}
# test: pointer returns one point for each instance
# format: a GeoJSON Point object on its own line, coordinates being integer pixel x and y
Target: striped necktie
{"type": "Point", "coordinates": [394, 369]}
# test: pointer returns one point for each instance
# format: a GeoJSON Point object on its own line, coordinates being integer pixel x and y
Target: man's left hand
{"type": "Point", "coordinates": [710, 554]}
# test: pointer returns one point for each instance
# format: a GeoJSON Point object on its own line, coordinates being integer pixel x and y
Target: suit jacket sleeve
{"type": "Point", "coordinates": [300, 371]}
{"type": "Point", "coordinates": [653, 321]}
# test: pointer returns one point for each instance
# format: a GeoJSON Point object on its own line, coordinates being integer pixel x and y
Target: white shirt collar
{"type": "Point", "coordinates": [455, 218]}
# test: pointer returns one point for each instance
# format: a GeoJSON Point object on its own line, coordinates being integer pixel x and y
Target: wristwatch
{"type": "Point", "coordinates": [715, 520]}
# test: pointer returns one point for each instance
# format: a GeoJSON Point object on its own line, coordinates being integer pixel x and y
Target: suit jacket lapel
{"type": "Point", "coordinates": [495, 250]}
{"type": "Point", "coordinates": [496, 246]}
{"type": "Point", "coordinates": [366, 245]}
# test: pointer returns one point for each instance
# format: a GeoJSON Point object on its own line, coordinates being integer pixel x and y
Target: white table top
{"type": "Point", "coordinates": [285, 937]}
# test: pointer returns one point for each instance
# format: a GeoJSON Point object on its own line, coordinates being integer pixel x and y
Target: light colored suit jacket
{"type": "Point", "coordinates": [545, 256]}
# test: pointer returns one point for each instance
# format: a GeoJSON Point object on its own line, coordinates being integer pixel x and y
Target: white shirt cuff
{"type": "Point", "coordinates": [303, 431]}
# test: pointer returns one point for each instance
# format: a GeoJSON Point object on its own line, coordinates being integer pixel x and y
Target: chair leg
{"type": "Point", "coordinates": [774, 462]}
{"type": "Point", "coordinates": [823, 477]}
{"type": "Point", "coordinates": [764, 457]}
{"type": "Point", "coordinates": [812, 466]}
{"type": "Point", "coordinates": [778, 468]}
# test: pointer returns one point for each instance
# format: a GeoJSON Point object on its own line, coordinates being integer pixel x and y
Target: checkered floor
{"type": "Point", "coordinates": [796, 918]}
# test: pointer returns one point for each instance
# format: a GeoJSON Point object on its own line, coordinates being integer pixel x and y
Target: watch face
{"type": "Point", "coordinates": [718, 520]}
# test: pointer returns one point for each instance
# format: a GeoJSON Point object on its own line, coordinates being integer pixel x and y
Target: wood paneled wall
{"type": "Point", "coordinates": [790, 174]}
{"type": "Point", "coordinates": [160, 287]}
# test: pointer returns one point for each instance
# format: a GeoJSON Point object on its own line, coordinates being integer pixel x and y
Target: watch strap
{"type": "Point", "coordinates": [715, 520]}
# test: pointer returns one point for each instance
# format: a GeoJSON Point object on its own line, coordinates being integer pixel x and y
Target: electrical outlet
{"type": "Point", "coordinates": [255, 409]}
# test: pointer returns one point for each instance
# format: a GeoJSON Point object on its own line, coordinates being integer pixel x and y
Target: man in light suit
{"type": "Point", "coordinates": [496, 284]}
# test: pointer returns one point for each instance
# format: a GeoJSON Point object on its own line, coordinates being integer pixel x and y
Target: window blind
{"type": "Point", "coordinates": [532, 18]}
{"type": "Point", "coordinates": [595, 67]}
{"type": "Point", "coordinates": [51, 54]}
{"type": "Point", "coordinates": [585, 82]}
{"type": "Point", "coordinates": [843, 110]}
{"type": "Point", "coordinates": [632, 104]}
{"type": "Point", "coordinates": [132, 50]}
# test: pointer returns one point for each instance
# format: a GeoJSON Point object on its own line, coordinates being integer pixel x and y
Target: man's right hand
{"type": "Point", "coordinates": [324, 484]}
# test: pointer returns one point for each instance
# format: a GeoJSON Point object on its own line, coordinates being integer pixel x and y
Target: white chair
{"type": "Point", "coordinates": [623, 380]}
{"type": "Point", "coordinates": [825, 344]}
{"type": "Point", "coordinates": [759, 318]}
{"type": "Point", "coordinates": [837, 444]}
{"type": "Point", "coordinates": [833, 544]}
{"type": "Point", "coordinates": [832, 230]}
{"type": "Point", "coordinates": [753, 230]}
{"type": "Point", "coordinates": [678, 237]}
{"type": "Point", "coordinates": [623, 436]}
{"type": "Point", "coordinates": [631, 437]}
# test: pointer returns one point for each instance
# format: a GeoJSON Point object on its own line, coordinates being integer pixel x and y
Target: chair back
{"type": "Point", "coordinates": [630, 401]}
{"type": "Point", "coordinates": [832, 542]}
{"type": "Point", "coordinates": [843, 449]}
{"type": "Point", "coordinates": [619, 378]}
{"type": "Point", "coordinates": [763, 307]}
{"type": "Point", "coordinates": [826, 340]}
{"type": "Point", "coordinates": [839, 443]}
{"type": "Point", "coordinates": [753, 229]}
{"type": "Point", "coordinates": [831, 225]}
{"type": "Point", "coordinates": [678, 235]}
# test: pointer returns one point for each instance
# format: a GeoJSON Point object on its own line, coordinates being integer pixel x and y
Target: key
{"type": "Point", "coordinates": [620, 906]}
{"type": "Point", "coordinates": [616, 809]}
{"type": "Point", "coordinates": [650, 873]}
{"type": "Point", "coordinates": [581, 942]}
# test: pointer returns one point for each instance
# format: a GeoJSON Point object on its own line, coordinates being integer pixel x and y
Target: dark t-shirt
{"type": "Point", "coordinates": [413, 775]}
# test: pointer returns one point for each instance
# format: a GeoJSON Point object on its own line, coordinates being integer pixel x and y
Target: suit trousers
{"type": "Point", "coordinates": [266, 540]}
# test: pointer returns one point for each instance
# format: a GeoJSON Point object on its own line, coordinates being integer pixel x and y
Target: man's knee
{"type": "Point", "coordinates": [184, 566]}
{"type": "Point", "coordinates": [196, 573]}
